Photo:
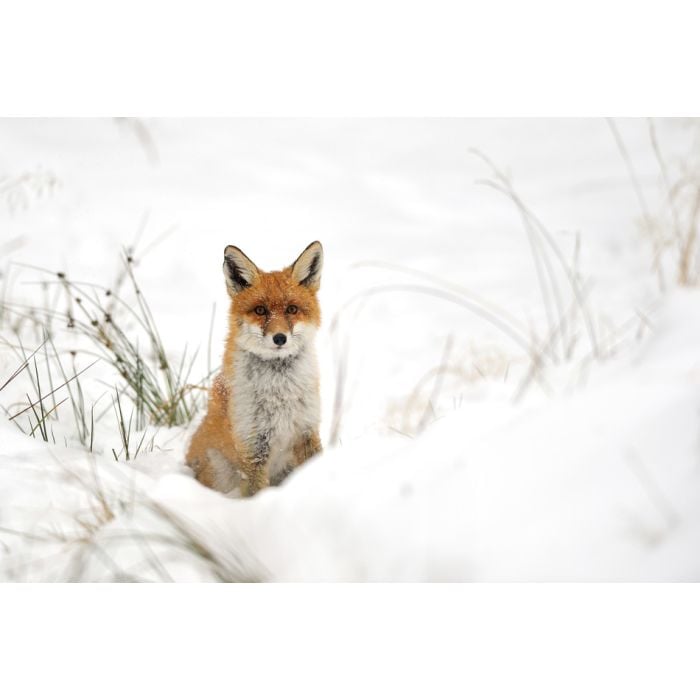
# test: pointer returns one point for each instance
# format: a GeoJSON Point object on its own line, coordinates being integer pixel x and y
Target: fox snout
{"type": "Point", "coordinates": [278, 330]}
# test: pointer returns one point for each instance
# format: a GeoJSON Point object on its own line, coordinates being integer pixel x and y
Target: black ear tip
{"type": "Point", "coordinates": [314, 244]}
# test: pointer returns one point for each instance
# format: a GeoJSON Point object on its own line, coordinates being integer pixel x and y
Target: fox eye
{"type": "Point", "coordinates": [291, 309]}
{"type": "Point", "coordinates": [260, 310]}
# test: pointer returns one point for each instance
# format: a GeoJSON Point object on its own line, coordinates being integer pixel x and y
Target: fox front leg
{"type": "Point", "coordinates": [254, 479]}
{"type": "Point", "coordinates": [256, 474]}
{"type": "Point", "coordinates": [308, 446]}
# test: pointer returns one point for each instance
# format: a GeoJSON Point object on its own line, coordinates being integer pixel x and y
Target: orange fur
{"type": "Point", "coordinates": [287, 302]}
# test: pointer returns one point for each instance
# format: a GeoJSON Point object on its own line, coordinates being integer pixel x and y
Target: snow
{"type": "Point", "coordinates": [591, 471]}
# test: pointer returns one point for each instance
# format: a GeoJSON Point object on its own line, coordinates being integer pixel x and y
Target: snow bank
{"type": "Point", "coordinates": [603, 484]}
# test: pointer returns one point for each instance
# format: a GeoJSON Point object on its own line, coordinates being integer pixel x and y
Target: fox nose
{"type": "Point", "coordinates": [279, 339]}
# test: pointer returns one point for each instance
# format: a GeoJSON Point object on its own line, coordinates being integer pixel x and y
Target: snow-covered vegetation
{"type": "Point", "coordinates": [510, 348]}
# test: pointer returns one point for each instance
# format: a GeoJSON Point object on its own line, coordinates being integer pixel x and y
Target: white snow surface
{"type": "Point", "coordinates": [591, 471]}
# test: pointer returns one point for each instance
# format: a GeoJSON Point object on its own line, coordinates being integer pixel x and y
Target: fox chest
{"type": "Point", "coordinates": [273, 403]}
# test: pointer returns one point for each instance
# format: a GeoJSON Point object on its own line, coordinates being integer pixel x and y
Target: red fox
{"type": "Point", "coordinates": [263, 414]}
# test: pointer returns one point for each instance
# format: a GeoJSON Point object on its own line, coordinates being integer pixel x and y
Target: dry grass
{"type": "Point", "coordinates": [673, 230]}
{"type": "Point", "coordinates": [98, 548]}
{"type": "Point", "coordinates": [572, 330]}
{"type": "Point", "coordinates": [122, 332]}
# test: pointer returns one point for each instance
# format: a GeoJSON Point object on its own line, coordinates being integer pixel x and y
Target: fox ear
{"type": "Point", "coordinates": [239, 270]}
{"type": "Point", "coordinates": [307, 267]}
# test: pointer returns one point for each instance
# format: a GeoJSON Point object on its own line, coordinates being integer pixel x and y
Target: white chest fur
{"type": "Point", "coordinates": [273, 403]}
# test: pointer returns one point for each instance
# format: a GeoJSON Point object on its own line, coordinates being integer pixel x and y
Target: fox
{"type": "Point", "coordinates": [263, 410]}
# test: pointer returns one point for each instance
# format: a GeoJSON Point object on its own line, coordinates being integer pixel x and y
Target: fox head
{"type": "Point", "coordinates": [275, 314]}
